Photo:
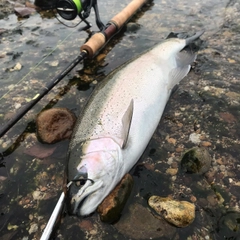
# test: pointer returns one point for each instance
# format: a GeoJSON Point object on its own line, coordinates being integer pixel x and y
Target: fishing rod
{"type": "Point", "coordinates": [69, 10]}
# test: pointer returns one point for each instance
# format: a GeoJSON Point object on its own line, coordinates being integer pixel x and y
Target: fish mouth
{"type": "Point", "coordinates": [77, 197]}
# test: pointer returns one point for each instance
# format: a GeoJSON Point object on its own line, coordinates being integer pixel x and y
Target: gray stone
{"type": "Point", "coordinates": [196, 160]}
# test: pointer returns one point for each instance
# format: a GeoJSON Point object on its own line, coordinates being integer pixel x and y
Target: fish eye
{"type": "Point", "coordinates": [81, 181]}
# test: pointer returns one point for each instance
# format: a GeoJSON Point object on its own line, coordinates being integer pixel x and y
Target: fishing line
{"type": "Point", "coordinates": [35, 67]}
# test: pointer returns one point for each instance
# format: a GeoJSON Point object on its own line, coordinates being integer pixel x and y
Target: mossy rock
{"type": "Point", "coordinates": [196, 160]}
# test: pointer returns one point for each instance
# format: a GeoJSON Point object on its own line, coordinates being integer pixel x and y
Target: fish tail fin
{"type": "Point", "coordinates": [194, 37]}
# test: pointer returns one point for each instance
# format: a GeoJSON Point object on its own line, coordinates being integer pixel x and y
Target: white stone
{"type": "Point", "coordinates": [17, 105]}
{"type": "Point", "coordinates": [38, 195]}
{"type": "Point", "coordinates": [195, 138]}
{"type": "Point", "coordinates": [33, 228]}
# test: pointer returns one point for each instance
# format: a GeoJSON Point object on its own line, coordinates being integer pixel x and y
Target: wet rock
{"type": "Point", "coordinates": [212, 199]}
{"type": "Point", "coordinates": [227, 117]}
{"type": "Point", "coordinates": [195, 138]}
{"type": "Point", "coordinates": [133, 27]}
{"type": "Point", "coordinates": [54, 125]}
{"type": "Point", "coordinates": [86, 225]}
{"type": "Point", "coordinates": [100, 57]}
{"type": "Point", "coordinates": [206, 144]}
{"type": "Point", "coordinates": [172, 171]}
{"type": "Point", "coordinates": [196, 160]}
{"type": "Point", "coordinates": [24, 11]}
{"type": "Point", "coordinates": [172, 141]}
{"type": "Point", "coordinates": [40, 151]}
{"type": "Point", "coordinates": [33, 228]}
{"type": "Point", "coordinates": [235, 190]}
{"type": "Point", "coordinates": [178, 213]}
{"type": "Point", "coordinates": [111, 207]}
{"type": "Point", "coordinates": [38, 195]}
{"type": "Point", "coordinates": [12, 227]}
{"type": "Point", "coordinates": [141, 224]}
{"type": "Point", "coordinates": [17, 67]}
{"type": "Point", "coordinates": [229, 225]}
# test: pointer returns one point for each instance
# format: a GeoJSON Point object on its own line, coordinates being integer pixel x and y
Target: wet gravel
{"type": "Point", "coordinates": [203, 111]}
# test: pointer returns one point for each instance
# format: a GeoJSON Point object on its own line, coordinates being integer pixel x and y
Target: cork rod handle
{"type": "Point", "coordinates": [97, 41]}
{"type": "Point", "coordinates": [127, 12]}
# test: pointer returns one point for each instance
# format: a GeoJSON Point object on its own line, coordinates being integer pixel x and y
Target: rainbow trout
{"type": "Point", "coordinates": [119, 120]}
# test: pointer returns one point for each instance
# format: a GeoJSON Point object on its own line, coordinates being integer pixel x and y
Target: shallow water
{"type": "Point", "coordinates": [207, 102]}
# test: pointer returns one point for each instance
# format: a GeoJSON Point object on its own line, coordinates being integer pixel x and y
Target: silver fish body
{"type": "Point", "coordinates": [119, 120]}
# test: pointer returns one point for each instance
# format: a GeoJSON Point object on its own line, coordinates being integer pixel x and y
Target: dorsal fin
{"type": "Point", "coordinates": [126, 123]}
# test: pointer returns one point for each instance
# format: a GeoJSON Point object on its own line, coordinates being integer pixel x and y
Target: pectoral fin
{"type": "Point", "coordinates": [126, 123]}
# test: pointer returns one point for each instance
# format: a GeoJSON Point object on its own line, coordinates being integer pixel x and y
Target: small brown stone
{"type": "Point", "coordinates": [86, 225]}
{"type": "Point", "coordinates": [202, 137]}
{"type": "Point", "coordinates": [202, 202]}
{"type": "Point", "coordinates": [27, 201]}
{"type": "Point", "coordinates": [43, 189]}
{"type": "Point", "coordinates": [227, 117]}
{"type": "Point", "coordinates": [100, 57]}
{"type": "Point", "coordinates": [174, 165]}
{"type": "Point", "coordinates": [206, 144]}
{"type": "Point", "coordinates": [54, 125]}
{"type": "Point", "coordinates": [179, 149]}
{"type": "Point", "coordinates": [220, 161]}
{"type": "Point", "coordinates": [212, 199]}
{"type": "Point", "coordinates": [172, 171]}
{"type": "Point", "coordinates": [209, 177]}
{"type": "Point", "coordinates": [193, 199]}
{"type": "Point", "coordinates": [112, 206]}
{"type": "Point", "coordinates": [149, 166]}
{"type": "Point", "coordinates": [180, 125]}
{"type": "Point", "coordinates": [88, 71]}
{"type": "Point", "coordinates": [172, 141]}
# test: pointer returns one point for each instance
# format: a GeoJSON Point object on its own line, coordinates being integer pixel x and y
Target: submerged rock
{"type": "Point", "coordinates": [196, 160]}
{"type": "Point", "coordinates": [40, 151]}
{"type": "Point", "coordinates": [111, 207]}
{"type": "Point", "coordinates": [229, 225]}
{"type": "Point", "coordinates": [178, 213]}
{"type": "Point", "coordinates": [54, 125]}
{"type": "Point", "coordinates": [133, 27]}
{"type": "Point", "coordinates": [140, 223]}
